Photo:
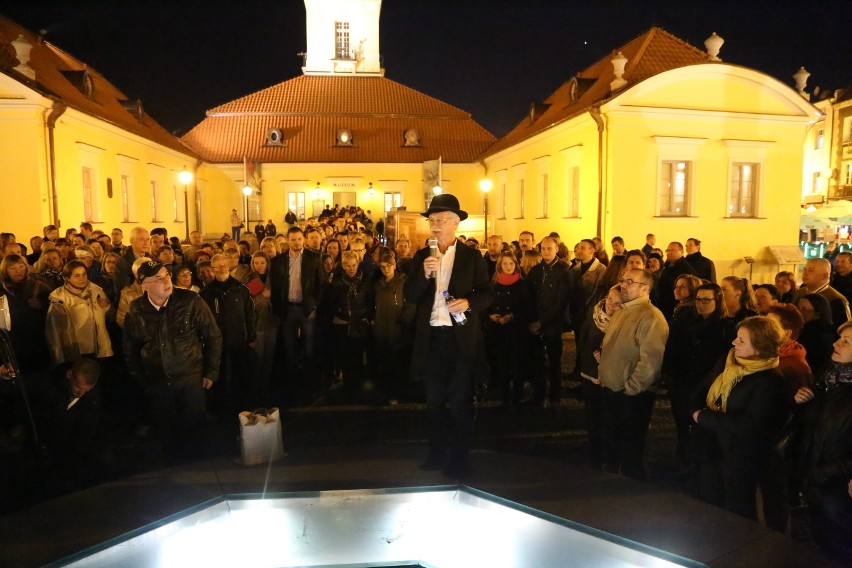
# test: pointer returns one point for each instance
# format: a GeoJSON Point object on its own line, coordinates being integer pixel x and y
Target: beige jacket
{"type": "Point", "coordinates": [633, 348]}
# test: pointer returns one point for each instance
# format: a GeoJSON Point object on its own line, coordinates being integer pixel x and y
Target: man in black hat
{"type": "Point", "coordinates": [173, 348]}
{"type": "Point", "coordinates": [447, 355]}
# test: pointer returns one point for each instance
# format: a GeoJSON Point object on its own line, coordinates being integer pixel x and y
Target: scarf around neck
{"type": "Point", "coordinates": [735, 369]}
{"type": "Point", "coordinates": [837, 374]}
{"type": "Point", "coordinates": [508, 279]}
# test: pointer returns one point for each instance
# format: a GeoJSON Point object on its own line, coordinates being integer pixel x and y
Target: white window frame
{"type": "Point", "coordinates": [392, 200]}
{"type": "Point", "coordinates": [90, 194]}
{"type": "Point", "coordinates": [127, 187]}
{"type": "Point", "coordinates": [542, 189]}
{"type": "Point", "coordinates": [819, 142]}
{"type": "Point", "coordinates": [342, 45]}
{"type": "Point", "coordinates": [501, 176]}
{"type": "Point", "coordinates": [155, 173]}
{"type": "Point", "coordinates": [571, 158]}
{"type": "Point", "coordinates": [675, 178]}
{"type": "Point", "coordinates": [753, 153]}
{"type": "Point", "coordinates": [673, 150]}
{"type": "Point", "coordinates": [519, 175]}
{"type": "Point", "coordinates": [296, 203]}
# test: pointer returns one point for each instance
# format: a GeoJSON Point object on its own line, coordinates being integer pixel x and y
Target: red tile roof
{"type": "Point", "coordinates": [49, 62]}
{"type": "Point", "coordinates": [649, 54]}
{"type": "Point", "coordinates": [309, 110]}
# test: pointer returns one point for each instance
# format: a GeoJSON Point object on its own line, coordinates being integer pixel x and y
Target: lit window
{"type": "Point", "coordinates": [125, 198]}
{"type": "Point", "coordinates": [393, 200]}
{"type": "Point", "coordinates": [155, 212]}
{"type": "Point", "coordinates": [89, 195]}
{"type": "Point", "coordinates": [520, 199]}
{"type": "Point", "coordinates": [743, 196]}
{"type": "Point", "coordinates": [296, 204]}
{"type": "Point", "coordinates": [674, 188]}
{"type": "Point", "coordinates": [820, 139]}
{"type": "Point", "coordinates": [572, 196]}
{"type": "Point", "coordinates": [341, 38]}
{"type": "Point", "coordinates": [544, 195]}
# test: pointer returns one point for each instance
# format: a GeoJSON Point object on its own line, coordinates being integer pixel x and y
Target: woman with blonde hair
{"type": "Point", "coordinates": [529, 259]}
{"type": "Point", "coordinates": [738, 414]}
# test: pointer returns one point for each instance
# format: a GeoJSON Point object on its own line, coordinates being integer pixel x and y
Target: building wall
{"type": "Point", "coordinates": [708, 115]}
{"type": "Point", "coordinates": [80, 141]}
{"type": "Point", "coordinates": [568, 156]}
{"type": "Point", "coordinates": [23, 176]}
{"type": "Point", "coordinates": [223, 183]}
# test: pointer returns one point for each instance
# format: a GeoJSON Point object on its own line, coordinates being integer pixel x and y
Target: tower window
{"type": "Point", "coordinates": [341, 38]}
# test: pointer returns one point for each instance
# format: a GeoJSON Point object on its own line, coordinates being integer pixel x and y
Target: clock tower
{"type": "Point", "coordinates": [343, 38]}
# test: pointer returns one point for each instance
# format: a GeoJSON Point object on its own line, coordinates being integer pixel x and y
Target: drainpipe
{"type": "Point", "coordinates": [58, 109]}
{"type": "Point", "coordinates": [595, 113]}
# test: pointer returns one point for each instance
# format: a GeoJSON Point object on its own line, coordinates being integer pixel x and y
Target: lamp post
{"type": "Point", "coordinates": [247, 190]}
{"type": "Point", "coordinates": [485, 186]}
{"type": "Point", "coordinates": [185, 177]}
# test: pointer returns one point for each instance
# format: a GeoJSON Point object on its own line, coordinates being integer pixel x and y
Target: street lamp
{"type": "Point", "coordinates": [437, 190]}
{"type": "Point", "coordinates": [247, 191]}
{"type": "Point", "coordinates": [185, 177]}
{"type": "Point", "coordinates": [485, 186]}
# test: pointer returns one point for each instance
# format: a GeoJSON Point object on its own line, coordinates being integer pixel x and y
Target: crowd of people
{"type": "Point", "coordinates": [177, 334]}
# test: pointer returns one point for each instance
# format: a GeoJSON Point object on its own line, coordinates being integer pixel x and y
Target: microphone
{"type": "Point", "coordinates": [432, 242]}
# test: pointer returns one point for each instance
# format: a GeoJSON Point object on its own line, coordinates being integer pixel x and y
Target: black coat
{"type": "Point", "coordinates": [550, 292]}
{"type": "Point", "coordinates": [28, 303]}
{"type": "Point", "coordinates": [665, 286]}
{"type": "Point", "coordinates": [741, 438]}
{"type": "Point", "coordinates": [704, 267]}
{"type": "Point", "coordinates": [123, 271]}
{"type": "Point", "coordinates": [313, 282]}
{"type": "Point", "coordinates": [825, 456]}
{"type": "Point", "coordinates": [179, 342]}
{"type": "Point", "coordinates": [693, 349]}
{"type": "Point", "coordinates": [469, 281]}
{"type": "Point", "coordinates": [818, 340]}
{"type": "Point", "coordinates": [233, 308]}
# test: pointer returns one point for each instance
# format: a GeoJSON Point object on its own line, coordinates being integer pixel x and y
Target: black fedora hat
{"type": "Point", "coordinates": [445, 202]}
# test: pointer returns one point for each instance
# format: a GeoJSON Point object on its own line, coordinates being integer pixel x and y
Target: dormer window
{"type": "Point", "coordinates": [344, 137]}
{"type": "Point", "coordinates": [536, 110]}
{"type": "Point", "coordinates": [274, 137]}
{"type": "Point", "coordinates": [134, 108]}
{"type": "Point", "coordinates": [412, 137]}
{"type": "Point", "coordinates": [82, 80]}
{"type": "Point", "coordinates": [341, 40]}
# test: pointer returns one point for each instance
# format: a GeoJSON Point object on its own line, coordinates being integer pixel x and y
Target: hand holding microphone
{"type": "Point", "coordinates": [431, 266]}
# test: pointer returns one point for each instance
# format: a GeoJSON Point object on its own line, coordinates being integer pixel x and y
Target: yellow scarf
{"type": "Point", "coordinates": [735, 369]}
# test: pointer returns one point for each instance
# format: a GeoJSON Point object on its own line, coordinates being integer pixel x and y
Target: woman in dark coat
{"type": "Point", "coordinates": [28, 304]}
{"type": "Point", "coordinates": [739, 413]}
{"type": "Point", "coordinates": [824, 458]}
{"type": "Point", "coordinates": [697, 340]}
{"type": "Point", "coordinates": [505, 328]}
{"type": "Point", "coordinates": [817, 334]}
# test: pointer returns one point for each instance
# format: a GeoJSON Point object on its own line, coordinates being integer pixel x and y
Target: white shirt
{"type": "Point", "coordinates": [440, 313]}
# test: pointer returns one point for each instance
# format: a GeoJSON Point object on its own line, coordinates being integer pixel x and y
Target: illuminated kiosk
{"type": "Point", "coordinates": [438, 527]}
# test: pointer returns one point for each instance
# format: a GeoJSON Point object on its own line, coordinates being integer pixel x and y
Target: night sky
{"type": "Point", "coordinates": [491, 58]}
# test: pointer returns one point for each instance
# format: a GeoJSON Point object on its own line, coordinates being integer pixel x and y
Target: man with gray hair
{"type": "Point", "coordinates": [815, 280]}
{"type": "Point", "coordinates": [140, 246]}
{"type": "Point", "coordinates": [630, 360]}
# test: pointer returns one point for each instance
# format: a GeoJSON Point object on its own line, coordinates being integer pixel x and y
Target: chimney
{"type": "Point", "coordinates": [713, 44]}
{"type": "Point", "coordinates": [801, 78]}
{"type": "Point", "coordinates": [22, 52]}
{"type": "Point", "coordinates": [618, 63]}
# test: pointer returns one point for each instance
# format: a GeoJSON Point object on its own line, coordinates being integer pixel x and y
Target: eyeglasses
{"type": "Point", "coordinates": [438, 220]}
{"type": "Point", "coordinates": [157, 280]}
{"type": "Point", "coordinates": [631, 282]}
{"type": "Point", "coordinates": [704, 301]}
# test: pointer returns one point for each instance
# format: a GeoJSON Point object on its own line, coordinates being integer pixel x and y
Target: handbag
{"type": "Point", "coordinates": [260, 436]}
{"type": "Point", "coordinates": [788, 433]}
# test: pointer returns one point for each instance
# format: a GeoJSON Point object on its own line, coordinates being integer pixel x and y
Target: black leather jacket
{"type": "Point", "coordinates": [179, 342]}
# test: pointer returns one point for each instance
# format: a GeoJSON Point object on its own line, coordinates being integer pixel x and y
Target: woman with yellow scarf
{"type": "Point", "coordinates": [738, 415]}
